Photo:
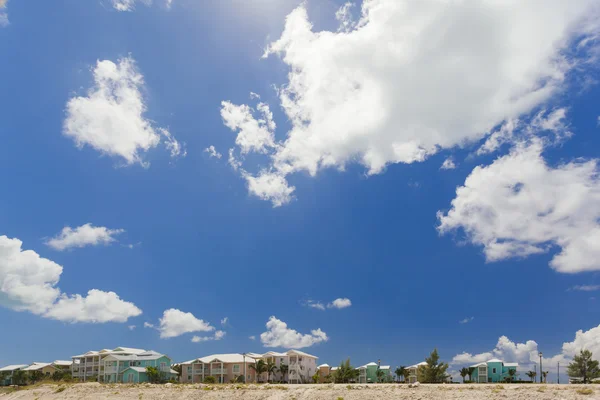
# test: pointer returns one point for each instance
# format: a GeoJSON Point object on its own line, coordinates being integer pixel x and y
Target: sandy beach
{"type": "Point", "coordinates": [298, 392]}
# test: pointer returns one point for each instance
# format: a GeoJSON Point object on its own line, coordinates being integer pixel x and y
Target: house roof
{"type": "Point", "coordinates": [13, 367]}
{"type": "Point", "coordinates": [494, 360]}
{"type": "Point", "coordinates": [334, 368]}
{"type": "Point", "coordinates": [301, 353]}
{"type": "Point", "coordinates": [511, 364]}
{"type": "Point", "coordinates": [385, 367]}
{"type": "Point", "coordinates": [323, 366]}
{"type": "Point", "coordinates": [138, 369]}
{"type": "Point", "coordinates": [116, 350]}
{"type": "Point", "coordinates": [224, 358]}
{"type": "Point", "coordinates": [140, 357]}
{"type": "Point", "coordinates": [63, 363]}
{"type": "Point", "coordinates": [37, 366]}
{"type": "Point", "coordinates": [371, 364]}
{"type": "Point", "coordinates": [128, 350]}
{"type": "Point", "coordinates": [417, 365]}
{"type": "Point", "coordinates": [481, 364]}
{"type": "Point", "coordinates": [274, 354]}
{"type": "Point", "coordinates": [254, 355]}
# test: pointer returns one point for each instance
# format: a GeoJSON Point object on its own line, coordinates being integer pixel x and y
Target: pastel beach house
{"type": "Point", "coordinates": [492, 371]}
{"type": "Point", "coordinates": [368, 373]}
{"type": "Point", "coordinates": [324, 372]}
{"type": "Point", "coordinates": [47, 369]}
{"type": "Point", "coordinates": [6, 373]}
{"type": "Point", "coordinates": [413, 372]}
{"type": "Point", "coordinates": [132, 368]}
{"type": "Point", "coordinates": [224, 367]}
{"type": "Point", "coordinates": [301, 366]}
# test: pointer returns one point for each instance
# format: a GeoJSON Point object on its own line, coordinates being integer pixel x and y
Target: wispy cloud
{"type": "Point", "coordinates": [466, 320]}
{"type": "Point", "coordinates": [584, 288]}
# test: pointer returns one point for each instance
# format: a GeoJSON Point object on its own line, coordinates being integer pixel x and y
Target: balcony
{"type": "Point", "coordinates": [218, 371]}
{"type": "Point", "coordinates": [110, 370]}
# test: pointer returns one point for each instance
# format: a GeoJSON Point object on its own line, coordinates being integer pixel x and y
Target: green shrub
{"type": "Point", "coordinates": [210, 379]}
{"type": "Point", "coordinates": [585, 391]}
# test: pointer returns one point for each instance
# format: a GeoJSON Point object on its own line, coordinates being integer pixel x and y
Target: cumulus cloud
{"type": "Point", "coordinates": [175, 323]}
{"type": "Point", "coordinates": [131, 327]}
{"type": "Point", "coordinates": [29, 282]}
{"type": "Point", "coordinates": [217, 336]}
{"type": "Point", "coordinates": [148, 325]}
{"type": "Point", "coordinates": [279, 335]}
{"type": "Point", "coordinates": [270, 186]}
{"type": "Point", "coordinates": [315, 304]}
{"type": "Point", "coordinates": [212, 152]}
{"type": "Point", "coordinates": [84, 235]}
{"type": "Point", "coordinates": [585, 288]}
{"type": "Point", "coordinates": [412, 78]}
{"type": "Point", "coordinates": [519, 206]}
{"type": "Point", "coordinates": [448, 164]}
{"type": "Point", "coordinates": [111, 118]}
{"type": "Point", "coordinates": [466, 320]}
{"type": "Point", "coordinates": [526, 354]}
{"type": "Point", "coordinates": [340, 303]}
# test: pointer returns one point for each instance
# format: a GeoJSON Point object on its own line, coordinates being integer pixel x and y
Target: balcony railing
{"type": "Point", "coordinates": [110, 370]}
{"type": "Point", "coordinates": [218, 371]}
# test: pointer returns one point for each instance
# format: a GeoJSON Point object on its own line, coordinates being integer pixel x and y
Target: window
{"type": "Point", "coordinates": [493, 370]}
{"type": "Point", "coordinates": [189, 369]}
{"type": "Point", "coordinates": [236, 368]}
{"type": "Point", "coordinates": [189, 377]}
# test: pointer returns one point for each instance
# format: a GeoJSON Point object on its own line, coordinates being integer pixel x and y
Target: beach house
{"type": "Point", "coordinates": [47, 369]}
{"type": "Point", "coordinates": [89, 366]}
{"type": "Point", "coordinates": [131, 368]}
{"type": "Point", "coordinates": [413, 372]}
{"type": "Point", "coordinates": [493, 370]}
{"type": "Point", "coordinates": [301, 366]}
{"type": "Point", "coordinates": [324, 371]}
{"type": "Point", "coordinates": [224, 367]}
{"type": "Point", "coordinates": [368, 373]}
{"type": "Point", "coordinates": [6, 373]}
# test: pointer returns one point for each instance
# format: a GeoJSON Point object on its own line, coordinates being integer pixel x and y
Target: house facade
{"type": "Point", "coordinates": [301, 366]}
{"type": "Point", "coordinates": [324, 372]}
{"type": "Point", "coordinates": [492, 371]}
{"type": "Point", "coordinates": [224, 367]}
{"type": "Point", "coordinates": [47, 369]}
{"type": "Point", "coordinates": [413, 375]}
{"type": "Point", "coordinates": [119, 368]}
{"type": "Point", "coordinates": [89, 366]}
{"type": "Point", "coordinates": [368, 373]}
{"type": "Point", "coordinates": [6, 373]}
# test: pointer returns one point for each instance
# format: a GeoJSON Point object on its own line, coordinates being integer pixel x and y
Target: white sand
{"type": "Point", "coordinates": [299, 392]}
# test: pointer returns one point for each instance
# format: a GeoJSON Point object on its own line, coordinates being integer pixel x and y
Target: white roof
{"type": "Point", "coordinates": [13, 367]}
{"type": "Point", "coordinates": [37, 366]}
{"type": "Point", "coordinates": [254, 355]}
{"type": "Point", "coordinates": [224, 358]}
{"type": "Point", "coordinates": [323, 366]}
{"type": "Point", "coordinates": [138, 369]}
{"type": "Point", "coordinates": [300, 353]}
{"type": "Point", "coordinates": [385, 367]}
{"type": "Point", "coordinates": [128, 350]}
{"type": "Point", "coordinates": [334, 368]}
{"type": "Point", "coordinates": [140, 357]}
{"type": "Point", "coordinates": [274, 354]}
{"type": "Point", "coordinates": [417, 365]}
{"type": "Point", "coordinates": [370, 364]}
{"type": "Point", "coordinates": [481, 364]}
{"type": "Point", "coordinates": [495, 360]}
{"type": "Point", "coordinates": [116, 350]}
{"type": "Point", "coordinates": [511, 364]}
{"type": "Point", "coordinates": [62, 363]}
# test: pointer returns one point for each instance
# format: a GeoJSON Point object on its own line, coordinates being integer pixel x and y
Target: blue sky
{"type": "Point", "coordinates": [339, 201]}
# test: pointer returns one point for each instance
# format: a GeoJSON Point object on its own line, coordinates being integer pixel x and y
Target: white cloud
{"type": "Point", "coordinates": [253, 135]}
{"type": "Point", "coordinates": [466, 320]}
{"type": "Point", "coordinates": [553, 122]}
{"type": "Point", "coordinates": [212, 152]}
{"type": "Point", "coordinates": [111, 118]}
{"type": "Point", "coordinates": [169, 3]}
{"type": "Point", "coordinates": [131, 327]}
{"type": "Point", "coordinates": [84, 235]}
{"type": "Point", "coordinates": [340, 303]}
{"type": "Point", "coordinates": [175, 323]}
{"type": "Point", "coordinates": [175, 148]}
{"type": "Point", "coordinates": [217, 336]}
{"type": "Point", "coordinates": [3, 14]}
{"type": "Point", "coordinates": [225, 321]}
{"type": "Point", "coordinates": [527, 354]}
{"type": "Point", "coordinates": [270, 186]}
{"type": "Point", "coordinates": [129, 5]}
{"type": "Point", "coordinates": [519, 206]}
{"type": "Point", "coordinates": [315, 304]}
{"type": "Point", "coordinates": [344, 17]}
{"type": "Point", "coordinates": [96, 307]}
{"type": "Point", "coordinates": [148, 325]}
{"type": "Point", "coordinates": [448, 164]}
{"type": "Point", "coordinates": [279, 335]}
{"type": "Point", "coordinates": [252, 337]}
{"type": "Point", "coordinates": [413, 78]}
{"type": "Point", "coordinates": [585, 288]}
{"type": "Point", "coordinates": [28, 282]}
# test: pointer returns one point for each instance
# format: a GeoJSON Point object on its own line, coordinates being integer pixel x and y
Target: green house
{"type": "Point", "coordinates": [132, 368]}
{"type": "Point", "coordinates": [368, 373]}
{"type": "Point", "coordinates": [493, 371]}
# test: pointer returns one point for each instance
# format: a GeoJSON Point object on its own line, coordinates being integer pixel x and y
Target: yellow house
{"type": "Point", "coordinates": [45, 368]}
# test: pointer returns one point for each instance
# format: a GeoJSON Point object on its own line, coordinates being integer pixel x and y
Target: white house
{"type": "Point", "coordinates": [89, 366]}
{"type": "Point", "coordinates": [301, 366]}
{"type": "Point", "coordinates": [413, 369]}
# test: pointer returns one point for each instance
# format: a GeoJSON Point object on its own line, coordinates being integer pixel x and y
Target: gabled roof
{"type": "Point", "coordinates": [37, 366]}
{"type": "Point", "coordinates": [300, 353]}
{"type": "Point", "coordinates": [13, 367]}
{"type": "Point", "coordinates": [481, 364]}
{"type": "Point", "coordinates": [138, 369]}
{"type": "Point", "coordinates": [254, 355]}
{"type": "Point", "coordinates": [62, 363]}
{"type": "Point", "coordinates": [417, 365]}
{"type": "Point", "coordinates": [128, 350]}
{"type": "Point", "coordinates": [224, 358]}
{"type": "Point", "coordinates": [385, 367]}
{"type": "Point", "coordinates": [137, 357]}
{"type": "Point", "coordinates": [371, 364]}
{"type": "Point", "coordinates": [494, 360]}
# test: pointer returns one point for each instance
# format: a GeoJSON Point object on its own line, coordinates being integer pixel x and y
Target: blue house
{"type": "Point", "coordinates": [132, 368]}
{"type": "Point", "coordinates": [492, 371]}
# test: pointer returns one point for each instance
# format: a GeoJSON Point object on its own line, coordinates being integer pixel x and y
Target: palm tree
{"type": "Point", "coordinates": [531, 375]}
{"type": "Point", "coordinates": [259, 368]}
{"type": "Point", "coordinates": [400, 372]}
{"type": "Point", "coordinates": [284, 368]}
{"type": "Point", "coordinates": [471, 370]}
{"type": "Point", "coordinates": [380, 373]}
{"type": "Point", "coordinates": [464, 372]}
{"type": "Point", "coordinates": [511, 374]}
{"type": "Point", "coordinates": [177, 368]}
{"type": "Point", "coordinates": [271, 369]}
